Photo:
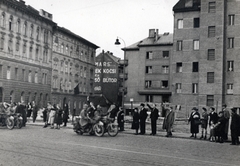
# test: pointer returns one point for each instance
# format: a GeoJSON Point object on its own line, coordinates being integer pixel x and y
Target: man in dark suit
{"type": "Point", "coordinates": [235, 127]}
{"type": "Point", "coordinates": [143, 116]}
{"type": "Point", "coordinates": [154, 116]}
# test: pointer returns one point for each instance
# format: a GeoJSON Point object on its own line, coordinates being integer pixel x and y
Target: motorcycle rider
{"type": "Point", "coordinates": [84, 117]}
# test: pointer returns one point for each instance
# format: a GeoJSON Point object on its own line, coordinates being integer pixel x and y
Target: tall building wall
{"type": "Point", "coordinates": [216, 54]}
{"type": "Point", "coordinates": [73, 69]}
{"type": "Point", "coordinates": [232, 54]}
{"type": "Point", "coordinates": [30, 65]}
{"type": "Point", "coordinates": [149, 69]}
{"type": "Point", "coordinates": [25, 54]}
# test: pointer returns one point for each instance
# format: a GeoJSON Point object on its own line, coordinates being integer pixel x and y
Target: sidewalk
{"type": "Point", "coordinates": [180, 128]}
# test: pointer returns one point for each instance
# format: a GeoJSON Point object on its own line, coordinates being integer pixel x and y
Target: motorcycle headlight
{"type": "Point", "coordinates": [20, 118]}
{"type": "Point", "coordinates": [11, 117]}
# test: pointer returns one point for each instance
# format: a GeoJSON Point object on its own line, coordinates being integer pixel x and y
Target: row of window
{"type": "Point", "coordinates": [23, 50]}
{"type": "Point", "coordinates": [179, 65]}
{"type": "Point", "coordinates": [33, 77]}
{"type": "Point", "coordinates": [211, 9]}
{"type": "Point", "coordinates": [156, 69]}
{"type": "Point", "coordinates": [196, 44]}
{"type": "Point", "coordinates": [67, 68]}
{"type": "Point", "coordinates": [156, 84]}
{"type": "Point", "coordinates": [40, 99]}
{"type": "Point", "coordinates": [209, 99]}
{"type": "Point", "coordinates": [69, 51]}
{"type": "Point", "coordinates": [150, 55]}
{"type": "Point", "coordinates": [67, 85]}
{"type": "Point", "coordinates": [178, 88]}
{"type": "Point", "coordinates": [22, 28]}
{"type": "Point", "coordinates": [195, 66]}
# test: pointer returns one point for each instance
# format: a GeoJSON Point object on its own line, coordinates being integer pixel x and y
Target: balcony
{"type": "Point", "coordinates": [122, 62]}
{"type": "Point", "coordinates": [121, 76]}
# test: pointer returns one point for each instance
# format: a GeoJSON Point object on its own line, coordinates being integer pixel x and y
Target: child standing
{"type": "Point", "coordinates": [204, 123]}
{"type": "Point", "coordinates": [212, 133]}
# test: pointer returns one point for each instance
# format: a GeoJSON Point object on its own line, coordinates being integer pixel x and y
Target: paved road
{"type": "Point", "coordinates": [37, 146]}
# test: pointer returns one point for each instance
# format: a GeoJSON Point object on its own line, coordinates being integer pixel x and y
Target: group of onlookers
{"type": "Point", "coordinates": [140, 115]}
{"type": "Point", "coordinates": [217, 122]}
{"type": "Point", "coordinates": [139, 118]}
{"type": "Point", "coordinates": [55, 116]}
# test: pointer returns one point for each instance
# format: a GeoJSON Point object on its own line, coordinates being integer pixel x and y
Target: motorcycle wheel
{"type": "Point", "coordinates": [19, 123]}
{"type": "Point", "coordinates": [10, 123]}
{"type": "Point", "coordinates": [112, 130]}
{"type": "Point", "coordinates": [98, 130]}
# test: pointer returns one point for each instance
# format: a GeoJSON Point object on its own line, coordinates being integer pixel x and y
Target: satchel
{"type": "Point", "coordinates": [197, 121]}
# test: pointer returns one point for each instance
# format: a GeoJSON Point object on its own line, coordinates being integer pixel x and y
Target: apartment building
{"type": "Point", "coordinates": [25, 53]}
{"type": "Point", "coordinates": [73, 60]}
{"type": "Point", "coordinates": [206, 45]}
{"type": "Point", "coordinates": [40, 61]}
{"type": "Point", "coordinates": [149, 68]}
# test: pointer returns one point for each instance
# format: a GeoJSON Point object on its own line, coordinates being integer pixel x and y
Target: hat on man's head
{"type": "Point", "coordinates": [204, 108]}
{"type": "Point", "coordinates": [234, 110]}
{"type": "Point", "coordinates": [195, 109]}
{"type": "Point", "coordinates": [143, 105]}
{"type": "Point", "coordinates": [212, 108]}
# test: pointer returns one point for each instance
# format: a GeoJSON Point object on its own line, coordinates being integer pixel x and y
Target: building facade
{"type": "Point", "coordinates": [108, 78]}
{"type": "Point", "coordinates": [206, 47]}
{"type": "Point", "coordinates": [149, 69]}
{"type": "Point", "coordinates": [40, 61]}
{"type": "Point", "coordinates": [73, 68]}
{"type": "Point", "coordinates": [25, 53]}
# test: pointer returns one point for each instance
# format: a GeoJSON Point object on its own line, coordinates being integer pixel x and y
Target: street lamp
{"type": "Point", "coordinates": [123, 83]}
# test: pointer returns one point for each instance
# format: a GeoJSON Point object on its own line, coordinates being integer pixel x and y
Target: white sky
{"type": "Point", "coordinates": [102, 21]}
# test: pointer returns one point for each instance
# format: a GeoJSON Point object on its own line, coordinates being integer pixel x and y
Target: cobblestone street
{"type": "Point", "coordinates": [35, 145]}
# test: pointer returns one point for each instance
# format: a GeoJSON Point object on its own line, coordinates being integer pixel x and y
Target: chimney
{"type": "Point", "coordinates": [151, 32]}
{"type": "Point", "coordinates": [156, 35]}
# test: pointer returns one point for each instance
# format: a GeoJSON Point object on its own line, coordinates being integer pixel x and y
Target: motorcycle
{"type": "Point", "coordinates": [109, 124]}
{"type": "Point", "coordinates": [7, 120]}
{"type": "Point", "coordinates": [90, 128]}
{"type": "Point", "coordinates": [18, 120]}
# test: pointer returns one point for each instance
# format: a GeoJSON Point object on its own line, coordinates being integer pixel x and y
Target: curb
{"type": "Point", "coordinates": [128, 130]}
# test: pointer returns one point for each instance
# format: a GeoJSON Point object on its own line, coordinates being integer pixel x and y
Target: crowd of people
{"type": "Point", "coordinates": [55, 116]}
{"type": "Point", "coordinates": [218, 123]}
{"type": "Point", "coordinates": [139, 119]}
{"type": "Point", "coordinates": [140, 115]}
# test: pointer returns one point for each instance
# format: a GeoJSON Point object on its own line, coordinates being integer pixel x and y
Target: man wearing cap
{"type": "Point", "coordinates": [235, 127]}
{"type": "Point", "coordinates": [142, 117]}
{"type": "Point", "coordinates": [226, 114]}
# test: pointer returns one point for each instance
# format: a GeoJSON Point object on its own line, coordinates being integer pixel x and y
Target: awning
{"type": "Point", "coordinates": [154, 92]}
